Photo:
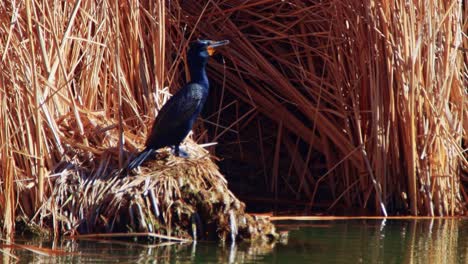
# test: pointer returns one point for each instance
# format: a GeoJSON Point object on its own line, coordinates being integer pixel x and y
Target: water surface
{"type": "Point", "coordinates": [344, 241]}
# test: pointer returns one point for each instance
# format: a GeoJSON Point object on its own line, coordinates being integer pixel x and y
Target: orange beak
{"type": "Point", "coordinates": [214, 44]}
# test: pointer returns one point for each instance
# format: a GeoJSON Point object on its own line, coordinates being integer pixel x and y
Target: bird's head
{"type": "Point", "coordinates": [203, 49]}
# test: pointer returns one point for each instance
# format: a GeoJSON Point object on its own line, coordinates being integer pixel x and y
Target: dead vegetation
{"type": "Point", "coordinates": [173, 197]}
{"type": "Point", "coordinates": [367, 100]}
{"type": "Point", "coordinates": [76, 78]}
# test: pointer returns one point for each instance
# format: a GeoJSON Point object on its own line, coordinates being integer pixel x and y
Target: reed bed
{"type": "Point", "coordinates": [373, 94]}
{"type": "Point", "coordinates": [81, 82]}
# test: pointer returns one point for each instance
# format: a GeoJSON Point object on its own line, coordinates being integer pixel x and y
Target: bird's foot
{"type": "Point", "coordinates": [180, 152]}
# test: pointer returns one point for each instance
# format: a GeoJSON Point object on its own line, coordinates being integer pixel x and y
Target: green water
{"type": "Point", "coordinates": [355, 241]}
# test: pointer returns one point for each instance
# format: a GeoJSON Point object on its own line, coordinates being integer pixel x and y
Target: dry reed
{"type": "Point", "coordinates": [76, 78]}
{"type": "Point", "coordinates": [58, 65]}
{"type": "Point", "coordinates": [374, 91]}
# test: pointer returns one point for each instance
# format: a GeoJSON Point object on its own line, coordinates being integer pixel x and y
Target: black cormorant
{"type": "Point", "coordinates": [175, 119]}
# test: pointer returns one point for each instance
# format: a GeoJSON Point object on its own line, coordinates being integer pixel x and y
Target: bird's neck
{"type": "Point", "coordinates": [198, 75]}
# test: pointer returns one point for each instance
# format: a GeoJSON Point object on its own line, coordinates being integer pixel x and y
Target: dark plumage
{"type": "Point", "coordinates": [177, 116]}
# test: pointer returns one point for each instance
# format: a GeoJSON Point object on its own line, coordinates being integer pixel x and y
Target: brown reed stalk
{"type": "Point", "coordinates": [8, 192]}
{"type": "Point", "coordinates": [117, 83]}
{"type": "Point", "coordinates": [38, 118]}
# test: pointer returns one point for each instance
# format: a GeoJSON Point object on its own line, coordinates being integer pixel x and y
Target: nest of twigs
{"type": "Point", "coordinates": [171, 197]}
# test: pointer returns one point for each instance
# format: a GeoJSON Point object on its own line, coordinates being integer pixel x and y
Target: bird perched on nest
{"type": "Point", "coordinates": [177, 116]}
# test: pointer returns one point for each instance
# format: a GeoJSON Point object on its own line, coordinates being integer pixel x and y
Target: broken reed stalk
{"type": "Point", "coordinates": [381, 78]}
{"type": "Point", "coordinates": [334, 218]}
{"type": "Point", "coordinates": [132, 235]}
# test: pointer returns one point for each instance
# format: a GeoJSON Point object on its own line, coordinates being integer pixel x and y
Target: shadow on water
{"type": "Point", "coordinates": [355, 241]}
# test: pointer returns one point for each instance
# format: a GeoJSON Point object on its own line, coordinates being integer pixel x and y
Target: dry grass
{"type": "Point", "coordinates": [373, 88]}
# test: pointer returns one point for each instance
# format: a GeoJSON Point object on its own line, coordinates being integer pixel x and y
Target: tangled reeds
{"type": "Point", "coordinates": [171, 198]}
{"type": "Point", "coordinates": [76, 79]}
{"type": "Point", "coordinates": [366, 99]}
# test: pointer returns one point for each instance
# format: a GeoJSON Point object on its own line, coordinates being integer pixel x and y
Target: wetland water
{"type": "Point", "coordinates": [343, 241]}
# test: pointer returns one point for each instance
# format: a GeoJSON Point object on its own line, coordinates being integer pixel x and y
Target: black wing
{"type": "Point", "coordinates": [178, 111]}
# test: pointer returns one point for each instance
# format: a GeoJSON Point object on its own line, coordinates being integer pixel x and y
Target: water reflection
{"type": "Point", "coordinates": [357, 241]}
{"type": "Point", "coordinates": [387, 241]}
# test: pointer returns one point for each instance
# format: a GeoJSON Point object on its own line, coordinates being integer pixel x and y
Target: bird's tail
{"type": "Point", "coordinates": [138, 160]}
